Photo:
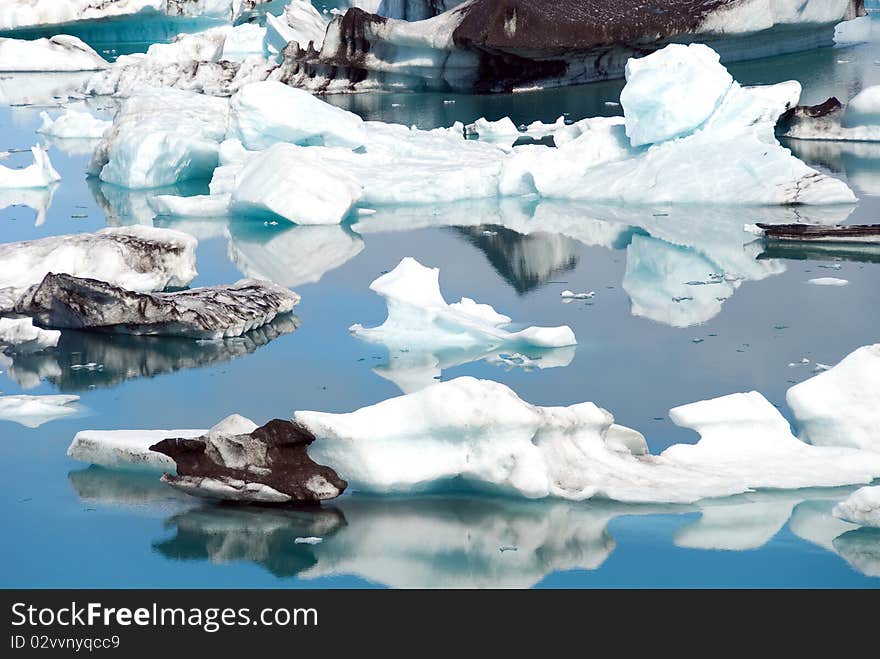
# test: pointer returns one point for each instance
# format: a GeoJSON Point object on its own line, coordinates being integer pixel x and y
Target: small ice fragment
{"type": "Point", "coordinates": [577, 296]}
{"type": "Point", "coordinates": [684, 298]}
{"type": "Point", "coordinates": [828, 281]}
{"type": "Point", "coordinates": [820, 367]}
{"type": "Point", "coordinates": [308, 540]}
{"type": "Point", "coordinates": [612, 104]}
{"type": "Point", "coordinates": [697, 340]}
{"type": "Point", "coordinates": [490, 233]}
{"type": "Point", "coordinates": [505, 548]}
{"type": "Point", "coordinates": [831, 266]}
{"type": "Point", "coordinates": [753, 229]}
{"type": "Point", "coordinates": [447, 101]}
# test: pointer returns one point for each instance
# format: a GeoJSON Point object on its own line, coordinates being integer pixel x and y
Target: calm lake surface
{"type": "Point", "coordinates": [647, 341]}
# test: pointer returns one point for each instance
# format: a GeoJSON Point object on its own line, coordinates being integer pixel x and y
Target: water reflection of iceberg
{"type": "Point", "coordinates": [127, 488]}
{"type": "Point", "coordinates": [489, 542]}
{"type": "Point", "coordinates": [858, 162]}
{"type": "Point", "coordinates": [682, 261]}
{"type": "Point", "coordinates": [38, 199]}
{"type": "Point", "coordinates": [83, 360]}
{"type": "Point", "coordinates": [40, 88]}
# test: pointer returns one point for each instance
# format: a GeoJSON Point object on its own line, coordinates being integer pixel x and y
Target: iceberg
{"type": "Point", "coordinates": [67, 302]}
{"type": "Point", "coordinates": [270, 464]}
{"type": "Point", "coordinates": [40, 174]}
{"type": "Point", "coordinates": [857, 121]}
{"type": "Point", "coordinates": [34, 411]}
{"type": "Point", "coordinates": [60, 53]}
{"type": "Point", "coordinates": [161, 137]}
{"type": "Point", "coordinates": [137, 258]}
{"type": "Point", "coordinates": [299, 22]}
{"type": "Point", "coordinates": [130, 449]}
{"type": "Point", "coordinates": [19, 335]}
{"type": "Point", "coordinates": [841, 407]}
{"type": "Point", "coordinates": [73, 125]}
{"type": "Point", "coordinates": [291, 182]}
{"type": "Point", "coordinates": [766, 454]}
{"type": "Point", "coordinates": [510, 45]}
{"type": "Point", "coordinates": [862, 507]}
{"type": "Point", "coordinates": [419, 317]}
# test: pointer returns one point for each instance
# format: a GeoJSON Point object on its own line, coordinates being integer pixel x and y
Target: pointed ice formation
{"type": "Point", "coordinates": [137, 258]}
{"type": "Point", "coordinates": [67, 302]}
{"type": "Point", "coordinates": [34, 411]}
{"type": "Point", "coordinates": [41, 174]}
{"type": "Point", "coordinates": [862, 507]}
{"type": "Point", "coordinates": [60, 53]}
{"type": "Point", "coordinates": [841, 407]}
{"type": "Point", "coordinates": [419, 317]}
{"type": "Point", "coordinates": [270, 464]}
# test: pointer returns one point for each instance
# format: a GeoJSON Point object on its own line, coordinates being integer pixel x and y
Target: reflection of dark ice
{"type": "Point", "coordinates": [86, 359]}
{"type": "Point", "coordinates": [861, 549]}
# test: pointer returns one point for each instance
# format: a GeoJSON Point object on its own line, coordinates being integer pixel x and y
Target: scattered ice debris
{"type": "Point", "coordinates": [828, 281]}
{"type": "Point", "coordinates": [60, 53]}
{"type": "Point", "coordinates": [308, 540]}
{"type": "Point", "coordinates": [34, 411]}
{"type": "Point", "coordinates": [63, 301]}
{"type": "Point", "coordinates": [839, 407]}
{"type": "Point", "coordinates": [137, 258]}
{"type": "Point", "coordinates": [268, 465]}
{"type": "Point", "coordinates": [419, 317]}
{"type": "Point", "coordinates": [569, 295]}
{"type": "Point", "coordinates": [73, 125]}
{"type": "Point", "coordinates": [40, 174]}
{"type": "Point", "coordinates": [862, 507]}
{"type": "Point", "coordinates": [121, 449]}
{"type": "Point", "coordinates": [20, 336]}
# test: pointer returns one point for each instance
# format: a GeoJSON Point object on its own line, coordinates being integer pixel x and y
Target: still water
{"type": "Point", "coordinates": [648, 341]}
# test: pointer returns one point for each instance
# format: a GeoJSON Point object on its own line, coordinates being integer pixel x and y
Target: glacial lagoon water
{"type": "Point", "coordinates": [651, 338]}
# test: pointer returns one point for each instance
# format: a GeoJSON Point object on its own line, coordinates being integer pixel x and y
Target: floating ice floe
{"type": "Point", "coordinates": [66, 302]}
{"type": "Point", "coordinates": [161, 137]}
{"type": "Point", "coordinates": [120, 449]}
{"type": "Point", "coordinates": [479, 433]}
{"type": "Point", "coordinates": [137, 258]}
{"type": "Point", "coordinates": [470, 46]}
{"type": "Point", "coordinates": [34, 411]}
{"type": "Point", "coordinates": [58, 54]}
{"type": "Point", "coordinates": [828, 281]}
{"type": "Point", "coordinates": [419, 317]}
{"type": "Point", "coordinates": [270, 464]}
{"type": "Point", "coordinates": [862, 507]}
{"type": "Point", "coordinates": [20, 335]}
{"type": "Point", "coordinates": [857, 121]}
{"type": "Point", "coordinates": [841, 407]}
{"type": "Point", "coordinates": [40, 174]}
{"type": "Point", "coordinates": [73, 125]}
{"type": "Point", "coordinates": [571, 295]}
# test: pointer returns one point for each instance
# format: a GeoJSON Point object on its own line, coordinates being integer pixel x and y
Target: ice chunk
{"type": "Point", "coordinates": [571, 295]}
{"type": "Point", "coordinates": [34, 411]}
{"type": "Point", "coordinates": [242, 41]}
{"type": "Point", "coordinates": [41, 174]}
{"type": "Point", "coordinates": [161, 137]}
{"type": "Point", "coordinates": [264, 113]}
{"type": "Point", "coordinates": [138, 258]}
{"type": "Point", "coordinates": [827, 281]}
{"type": "Point", "coordinates": [73, 124]}
{"type": "Point", "coordinates": [20, 335]}
{"type": "Point", "coordinates": [863, 109]}
{"type": "Point", "coordinates": [290, 182]}
{"type": "Point", "coordinates": [862, 507]}
{"type": "Point", "coordinates": [195, 206]}
{"type": "Point", "coordinates": [419, 317]}
{"type": "Point", "coordinates": [300, 22]}
{"type": "Point", "coordinates": [841, 407]}
{"type": "Point", "coordinates": [672, 92]}
{"type": "Point", "coordinates": [60, 53]}
{"type": "Point", "coordinates": [858, 121]}
{"type": "Point", "coordinates": [744, 435]}
{"type": "Point", "coordinates": [63, 301]}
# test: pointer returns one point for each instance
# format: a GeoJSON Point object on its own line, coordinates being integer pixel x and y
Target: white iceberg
{"type": "Point", "coordinates": [20, 335]}
{"type": "Point", "coordinates": [841, 407]}
{"type": "Point", "coordinates": [243, 41]}
{"type": "Point", "coordinates": [290, 182]}
{"type": "Point", "coordinates": [73, 124]}
{"type": "Point", "coordinates": [300, 22]}
{"type": "Point", "coordinates": [120, 449]}
{"type": "Point", "coordinates": [59, 53]}
{"type": "Point", "coordinates": [419, 317]}
{"type": "Point", "coordinates": [744, 436]}
{"type": "Point", "coordinates": [828, 281]}
{"type": "Point", "coordinates": [141, 259]}
{"type": "Point", "coordinates": [34, 411]}
{"type": "Point", "coordinates": [40, 174]}
{"type": "Point", "coordinates": [161, 137]}
{"type": "Point", "coordinates": [856, 121]}
{"type": "Point", "coordinates": [862, 507]}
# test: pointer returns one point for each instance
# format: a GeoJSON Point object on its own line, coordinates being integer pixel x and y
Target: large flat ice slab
{"type": "Point", "coordinates": [66, 302]}
{"type": "Point", "coordinates": [61, 53]}
{"type": "Point", "coordinates": [841, 407]}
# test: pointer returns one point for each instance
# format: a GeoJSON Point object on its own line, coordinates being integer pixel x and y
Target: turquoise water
{"type": "Point", "coordinates": [639, 354]}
